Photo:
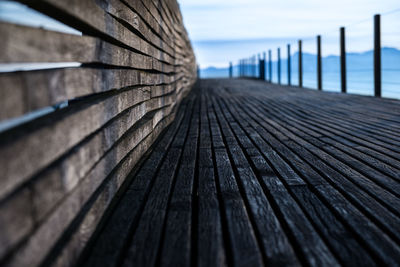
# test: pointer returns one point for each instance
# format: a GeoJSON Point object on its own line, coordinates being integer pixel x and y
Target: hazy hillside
{"type": "Point", "coordinates": [355, 61]}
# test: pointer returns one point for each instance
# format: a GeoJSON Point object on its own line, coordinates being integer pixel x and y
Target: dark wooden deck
{"type": "Point", "coordinates": [252, 174]}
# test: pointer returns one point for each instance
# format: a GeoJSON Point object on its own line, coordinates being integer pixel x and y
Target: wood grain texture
{"type": "Point", "coordinates": [260, 182]}
{"type": "Point", "coordinates": [64, 171]}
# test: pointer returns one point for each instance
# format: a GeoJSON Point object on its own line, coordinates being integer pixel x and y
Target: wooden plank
{"type": "Point", "coordinates": [27, 44]}
{"type": "Point", "coordinates": [275, 244]}
{"type": "Point", "coordinates": [150, 227]}
{"type": "Point", "coordinates": [97, 22]}
{"type": "Point", "coordinates": [387, 243]}
{"type": "Point", "coordinates": [66, 130]}
{"type": "Point", "coordinates": [68, 167]}
{"type": "Point", "coordinates": [242, 240]}
{"type": "Point", "coordinates": [132, 21]}
{"type": "Point", "coordinates": [292, 213]}
{"type": "Point", "coordinates": [384, 197]}
{"type": "Point", "coordinates": [176, 245]}
{"type": "Point", "coordinates": [49, 189]}
{"type": "Point", "coordinates": [24, 92]}
{"type": "Point", "coordinates": [384, 181]}
{"type": "Point", "coordinates": [332, 230]}
{"type": "Point", "coordinates": [209, 247]}
{"type": "Point", "coordinates": [109, 246]}
{"type": "Point", "coordinates": [54, 227]}
{"type": "Point", "coordinates": [71, 245]}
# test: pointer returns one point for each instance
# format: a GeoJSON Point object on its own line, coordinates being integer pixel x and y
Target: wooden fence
{"type": "Point", "coordinates": [60, 172]}
{"type": "Point", "coordinates": [253, 68]}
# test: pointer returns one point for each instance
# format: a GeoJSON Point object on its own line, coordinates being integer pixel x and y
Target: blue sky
{"type": "Point", "coordinates": [223, 31]}
{"type": "Point", "coordinates": [229, 30]}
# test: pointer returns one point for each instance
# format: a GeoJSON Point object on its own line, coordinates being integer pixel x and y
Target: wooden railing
{"type": "Point", "coordinates": [255, 68]}
{"type": "Point", "coordinates": [61, 171]}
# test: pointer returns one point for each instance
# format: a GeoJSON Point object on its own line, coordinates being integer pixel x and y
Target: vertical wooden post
{"type": "Point", "coordinates": [288, 65]}
{"type": "Point", "coordinates": [279, 66]}
{"type": "Point", "coordinates": [319, 63]}
{"type": "Point", "coordinates": [254, 66]}
{"type": "Point", "coordinates": [377, 56]}
{"type": "Point", "coordinates": [264, 65]}
{"type": "Point", "coordinates": [300, 66]}
{"type": "Point", "coordinates": [251, 66]}
{"type": "Point", "coordinates": [244, 67]}
{"type": "Point", "coordinates": [261, 67]}
{"type": "Point", "coordinates": [270, 65]}
{"type": "Point", "coordinates": [230, 70]}
{"type": "Point", "coordinates": [343, 59]}
{"type": "Point", "coordinates": [248, 67]}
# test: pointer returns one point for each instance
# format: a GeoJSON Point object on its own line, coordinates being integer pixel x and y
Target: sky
{"type": "Point", "coordinates": [223, 31]}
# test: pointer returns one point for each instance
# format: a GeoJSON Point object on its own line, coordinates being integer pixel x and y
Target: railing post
{"type": "Point", "coordinates": [230, 70]}
{"type": "Point", "coordinates": [279, 66]}
{"type": "Point", "coordinates": [261, 69]}
{"type": "Point", "coordinates": [300, 66]}
{"type": "Point", "coordinates": [245, 67]}
{"type": "Point", "coordinates": [288, 65]}
{"type": "Point", "coordinates": [250, 71]}
{"type": "Point", "coordinates": [248, 67]}
{"type": "Point", "coordinates": [377, 56]}
{"type": "Point", "coordinates": [270, 65]}
{"type": "Point", "coordinates": [343, 59]}
{"type": "Point", "coordinates": [264, 65]}
{"type": "Point", "coordinates": [254, 66]}
{"type": "Point", "coordinates": [319, 63]}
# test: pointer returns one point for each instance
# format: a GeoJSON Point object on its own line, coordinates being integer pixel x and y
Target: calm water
{"type": "Point", "coordinates": [360, 76]}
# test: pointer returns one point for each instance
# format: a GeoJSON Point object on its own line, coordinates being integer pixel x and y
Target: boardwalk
{"type": "Point", "coordinates": [252, 174]}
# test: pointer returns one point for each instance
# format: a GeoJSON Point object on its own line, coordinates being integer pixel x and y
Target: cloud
{"type": "Point", "coordinates": [209, 20]}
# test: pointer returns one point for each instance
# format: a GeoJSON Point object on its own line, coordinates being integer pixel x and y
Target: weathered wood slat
{"type": "Point", "coordinates": [314, 177]}
{"type": "Point", "coordinates": [51, 187]}
{"type": "Point", "coordinates": [262, 212]}
{"type": "Point", "coordinates": [132, 21]}
{"type": "Point", "coordinates": [290, 209]}
{"type": "Point", "coordinates": [49, 232]}
{"type": "Point", "coordinates": [27, 44]}
{"type": "Point", "coordinates": [63, 172]}
{"type": "Point", "coordinates": [66, 129]}
{"type": "Point", "coordinates": [112, 239]}
{"type": "Point", "coordinates": [375, 176]}
{"type": "Point", "coordinates": [176, 246]}
{"type": "Point", "coordinates": [142, 12]}
{"type": "Point", "coordinates": [97, 22]}
{"type": "Point", "coordinates": [389, 222]}
{"type": "Point", "coordinates": [209, 244]}
{"type": "Point", "coordinates": [244, 248]}
{"type": "Point", "coordinates": [150, 226]}
{"type": "Point", "coordinates": [307, 157]}
{"type": "Point", "coordinates": [363, 125]}
{"type": "Point", "coordinates": [265, 184]}
{"type": "Point", "coordinates": [24, 92]}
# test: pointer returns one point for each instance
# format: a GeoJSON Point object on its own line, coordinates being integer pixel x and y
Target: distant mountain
{"type": "Point", "coordinates": [354, 62]}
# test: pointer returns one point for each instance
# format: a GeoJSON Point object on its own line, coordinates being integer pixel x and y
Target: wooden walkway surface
{"type": "Point", "coordinates": [252, 174]}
